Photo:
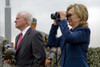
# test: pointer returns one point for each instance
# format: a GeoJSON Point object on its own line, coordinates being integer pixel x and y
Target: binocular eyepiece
{"type": "Point", "coordinates": [56, 15]}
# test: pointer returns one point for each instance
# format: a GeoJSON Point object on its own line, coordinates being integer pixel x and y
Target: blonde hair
{"type": "Point", "coordinates": [82, 12]}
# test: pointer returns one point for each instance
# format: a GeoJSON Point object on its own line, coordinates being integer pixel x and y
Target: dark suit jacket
{"type": "Point", "coordinates": [73, 44]}
{"type": "Point", "coordinates": [30, 52]}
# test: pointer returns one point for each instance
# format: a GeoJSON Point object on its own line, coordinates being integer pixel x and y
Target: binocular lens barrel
{"type": "Point", "coordinates": [57, 15]}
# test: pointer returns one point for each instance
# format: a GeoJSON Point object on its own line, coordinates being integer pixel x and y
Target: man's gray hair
{"type": "Point", "coordinates": [27, 15]}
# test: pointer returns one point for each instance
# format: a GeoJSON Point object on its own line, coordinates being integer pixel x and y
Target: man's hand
{"type": "Point", "coordinates": [47, 62]}
{"type": "Point", "coordinates": [7, 61]}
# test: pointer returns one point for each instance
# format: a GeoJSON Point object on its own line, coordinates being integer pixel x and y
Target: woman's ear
{"type": "Point", "coordinates": [79, 19]}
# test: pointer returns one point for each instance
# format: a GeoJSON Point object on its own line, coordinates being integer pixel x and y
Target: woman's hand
{"type": "Point", "coordinates": [62, 15]}
{"type": "Point", "coordinates": [55, 22]}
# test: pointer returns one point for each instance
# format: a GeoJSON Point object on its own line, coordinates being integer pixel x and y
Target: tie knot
{"type": "Point", "coordinates": [21, 34]}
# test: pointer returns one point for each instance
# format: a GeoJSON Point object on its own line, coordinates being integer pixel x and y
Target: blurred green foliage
{"type": "Point", "coordinates": [93, 57]}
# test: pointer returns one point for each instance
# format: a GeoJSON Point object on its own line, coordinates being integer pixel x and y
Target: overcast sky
{"type": "Point", "coordinates": [42, 9]}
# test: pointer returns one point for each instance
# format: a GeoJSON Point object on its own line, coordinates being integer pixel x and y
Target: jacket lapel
{"type": "Point", "coordinates": [16, 41]}
{"type": "Point", "coordinates": [25, 38]}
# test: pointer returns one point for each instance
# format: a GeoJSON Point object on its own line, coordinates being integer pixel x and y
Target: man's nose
{"type": "Point", "coordinates": [15, 21]}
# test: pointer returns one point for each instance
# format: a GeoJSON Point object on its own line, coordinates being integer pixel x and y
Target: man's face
{"type": "Point", "coordinates": [20, 21]}
{"type": "Point", "coordinates": [33, 26]}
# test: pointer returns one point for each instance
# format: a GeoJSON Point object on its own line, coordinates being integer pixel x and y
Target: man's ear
{"type": "Point", "coordinates": [26, 20]}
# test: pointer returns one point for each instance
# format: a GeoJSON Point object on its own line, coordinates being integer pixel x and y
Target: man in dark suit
{"type": "Point", "coordinates": [29, 44]}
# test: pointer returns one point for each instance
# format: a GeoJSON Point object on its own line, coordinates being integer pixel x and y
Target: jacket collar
{"type": "Point", "coordinates": [76, 28]}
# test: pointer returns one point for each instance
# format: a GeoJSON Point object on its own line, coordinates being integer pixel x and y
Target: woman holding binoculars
{"type": "Point", "coordinates": [73, 42]}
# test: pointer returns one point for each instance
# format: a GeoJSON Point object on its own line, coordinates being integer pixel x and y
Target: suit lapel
{"type": "Point", "coordinates": [25, 38]}
{"type": "Point", "coordinates": [17, 38]}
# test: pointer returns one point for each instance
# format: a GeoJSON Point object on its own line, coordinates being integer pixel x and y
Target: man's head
{"type": "Point", "coordinates": [23, 20]}
{"type": "Point", "coordinates": [34, 23]}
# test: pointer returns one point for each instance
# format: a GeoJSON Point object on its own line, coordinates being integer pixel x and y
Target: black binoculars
{"type": "Point", "coordinates": [56, 16]}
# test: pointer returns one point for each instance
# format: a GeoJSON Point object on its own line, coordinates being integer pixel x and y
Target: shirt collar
{"type": "Point", "coordinates": [25, 30]}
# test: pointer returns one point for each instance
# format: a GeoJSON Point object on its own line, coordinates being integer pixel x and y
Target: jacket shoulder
{"type": "Point", "coordinates": [36, 33]}
{"type": "Point", "coordinates": [84, 28]}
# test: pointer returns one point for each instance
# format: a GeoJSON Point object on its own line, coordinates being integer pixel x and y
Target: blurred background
{"type": "Point", "coordinates": [42, 9]}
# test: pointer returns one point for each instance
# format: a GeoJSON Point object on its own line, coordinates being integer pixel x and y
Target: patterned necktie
{"type": "Point", "coordinates": [20, 38]}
